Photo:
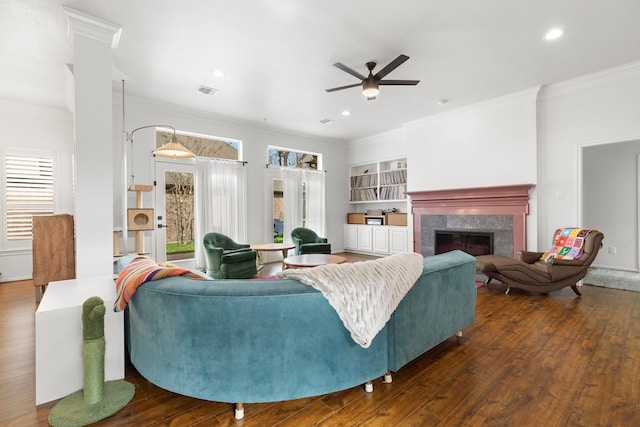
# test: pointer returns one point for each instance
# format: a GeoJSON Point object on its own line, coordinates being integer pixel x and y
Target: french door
{"type": "Point", "coordinates": [174, 210]}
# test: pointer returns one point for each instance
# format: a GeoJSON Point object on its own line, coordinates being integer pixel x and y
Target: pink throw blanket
{"type": "Point", "coordinates": [141, 270]}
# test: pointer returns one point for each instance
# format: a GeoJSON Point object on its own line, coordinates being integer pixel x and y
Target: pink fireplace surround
{"type": "Point", "coordinates": [501, 200]}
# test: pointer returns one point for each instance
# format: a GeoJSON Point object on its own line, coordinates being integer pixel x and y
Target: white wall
{"type": "Point", "coordinates": [380, 147]}
{"type": "Point", "coordinates": [596, 109]}
{"type": "Point", "coordinates": [27, 126]}
{"type": "Point", "coordinates": [493, 143]}
{"type": "Point", "coordinates": [488, 144]}
{"type": "Point", "coordinates": [255, 139]}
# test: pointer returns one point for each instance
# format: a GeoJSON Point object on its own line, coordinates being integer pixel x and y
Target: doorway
{"type": "Point", "coordinates": [175, 213]}
{"type": "Point", "coordinates": [609, 201]}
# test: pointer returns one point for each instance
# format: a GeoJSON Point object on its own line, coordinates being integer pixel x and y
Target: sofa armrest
{"type": "Point", "coordinates": [322, 240]}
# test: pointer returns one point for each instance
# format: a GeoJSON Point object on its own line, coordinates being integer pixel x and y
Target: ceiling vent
{"type": "Point", "coordinates": [206, 90]}
{"type": "Point", "coordinates": [326, 121]}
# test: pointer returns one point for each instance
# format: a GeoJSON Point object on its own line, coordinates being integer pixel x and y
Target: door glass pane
{"type": "Point", "coordinates": [179, 214]}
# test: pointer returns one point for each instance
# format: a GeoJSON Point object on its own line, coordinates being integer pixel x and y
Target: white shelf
{"type": "Point", "coordinates": [384, 181]}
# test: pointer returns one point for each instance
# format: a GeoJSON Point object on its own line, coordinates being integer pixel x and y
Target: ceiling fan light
{"type": "Point", "coordinates": [369, 89]}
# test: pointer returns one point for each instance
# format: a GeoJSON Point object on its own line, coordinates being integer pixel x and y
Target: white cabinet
{"type": "Point", "coordinates": [375, 239]}
{"type": "Point", "coordinates": [380, 239]}
{"type": "Point", "coordinates": [350, 237]}
{"type": "Point", "coordinates": [358, 237]}
{"type": "Point", "coordinates": [365, 242]}
{"type": "Point", "coordinates": [397, 239]}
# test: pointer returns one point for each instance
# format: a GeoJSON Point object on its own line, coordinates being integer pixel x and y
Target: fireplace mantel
{"type": "Point", "coordinates": [501, 200]}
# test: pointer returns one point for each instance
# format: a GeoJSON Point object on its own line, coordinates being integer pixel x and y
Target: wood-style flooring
{"type": "Point", "coordinates": [529, 360]}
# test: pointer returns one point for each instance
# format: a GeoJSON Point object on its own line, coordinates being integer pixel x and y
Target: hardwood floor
{"type": "Point", "coordinates": [529, 360]}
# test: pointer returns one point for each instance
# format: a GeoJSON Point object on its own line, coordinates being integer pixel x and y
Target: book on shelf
{"type": "Point", "coordinates": [393, 177]}
{"type": "Point", "coordinates": [394, 192]}
{"type": "Point", "coordinates": [358, 181]}
{"type": "Point", "coordinates": [363, 195]}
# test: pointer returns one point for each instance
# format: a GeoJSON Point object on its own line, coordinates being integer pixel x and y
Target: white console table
{"type": "Point", "coordinates": [59, 364]}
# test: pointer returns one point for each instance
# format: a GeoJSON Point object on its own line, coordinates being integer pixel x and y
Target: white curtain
{"type": "Point", "coordinates": [315, 201]}
{"type": "Point", "coordinates": [292, 189]}
{"type": "Point", "coordinates": [220, 200]}
{"type": "Point", "coordinates": [295, 182]}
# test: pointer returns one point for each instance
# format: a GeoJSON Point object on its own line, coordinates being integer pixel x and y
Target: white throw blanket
{"type": "Point", "coordinates": [364, 294]}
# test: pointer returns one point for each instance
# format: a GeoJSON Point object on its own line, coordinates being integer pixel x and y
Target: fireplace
{"type": "Point", "coordinates": [501, 211]}
{"type": "Point", "coordinates": [472, 242]}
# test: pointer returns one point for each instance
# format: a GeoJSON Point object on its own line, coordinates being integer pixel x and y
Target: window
{"type": "Point", "coordinates": [203, 145]}
{"type": "Point", "coordinates": [296, 191]}
{"type": "Point", "coordinates": [28, 190]}
{"type": "Point", "coordinates": [286, 157]}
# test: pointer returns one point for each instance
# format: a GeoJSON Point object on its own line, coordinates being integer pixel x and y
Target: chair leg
{"type": "Point", "coordinates": [387, 378]}
{"type": "Point", "coordinates": [507, 291]}
{"type": "Point", "coordinates": [575, 289]}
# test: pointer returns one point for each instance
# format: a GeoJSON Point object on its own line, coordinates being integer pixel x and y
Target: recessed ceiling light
{"type": "Point", "coordinates": [218, 73]}
{"type": "Point", "coordinates": [554, 33]}
{"type": "Point", "coordinates": [346, 113]}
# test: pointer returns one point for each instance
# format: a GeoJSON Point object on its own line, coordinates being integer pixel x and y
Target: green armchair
{"type": "Point", "coordinates": [308, 242]}
{"type": "Point", "coordinates": [227, 259]}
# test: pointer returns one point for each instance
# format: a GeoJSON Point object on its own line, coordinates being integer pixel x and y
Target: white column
{"type": "Point", "coordinates": [93, 40]}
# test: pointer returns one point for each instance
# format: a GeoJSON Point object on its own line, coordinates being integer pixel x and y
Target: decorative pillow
{"type": "Point", "coordinates": [567, 243]}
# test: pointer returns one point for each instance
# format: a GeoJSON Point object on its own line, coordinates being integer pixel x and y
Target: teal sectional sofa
{"type": "Point", "coordinates": [247, 341]}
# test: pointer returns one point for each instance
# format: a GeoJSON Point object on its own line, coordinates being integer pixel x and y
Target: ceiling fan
{"type": "Point", "coordinates": [371, 83]}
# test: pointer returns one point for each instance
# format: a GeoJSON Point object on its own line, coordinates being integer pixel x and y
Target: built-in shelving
{"type": "Point", "coordinates": [379, 181]}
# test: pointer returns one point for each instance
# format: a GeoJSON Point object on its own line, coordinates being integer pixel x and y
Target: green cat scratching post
{"type": "Point", "coordinates": [98, 399]}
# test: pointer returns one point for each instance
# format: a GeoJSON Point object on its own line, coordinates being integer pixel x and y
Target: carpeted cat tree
{"type": "Point", "coordinates": [99, 399]}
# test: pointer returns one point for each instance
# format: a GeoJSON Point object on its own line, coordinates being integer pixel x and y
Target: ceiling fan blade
{"type": "Point", "coordinates": [343, 87]}
{"type": "Point", "coordinates": [349, 70]}
{"type": "Point", "coordinates": [391, 66]}
{"type": "Point", "coordinates": [399, 82]}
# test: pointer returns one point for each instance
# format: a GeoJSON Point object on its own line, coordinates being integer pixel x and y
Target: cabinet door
{"type": "Point", "coordinates": [381, 239]}
{"type": "Point", "coordinates": [397, 239]}
{"type": "Point", "coordinates": [365, 242]}
{"type": "Point", "coordinates": [351, 237]}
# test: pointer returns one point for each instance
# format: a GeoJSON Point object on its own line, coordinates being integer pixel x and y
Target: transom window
{"type": "Point", "coordinates": [286, 157]}
{"type": "Point", "coordinates": [203, 145]}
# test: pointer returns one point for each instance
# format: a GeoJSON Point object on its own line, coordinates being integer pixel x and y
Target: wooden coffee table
{"type": "Point", "coordinates": [260, 248]}
{"type": "Point", "coordinates": [312, 260]}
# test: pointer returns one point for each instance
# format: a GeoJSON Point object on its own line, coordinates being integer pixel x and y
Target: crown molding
{"type": "Point", "coordinates": [592, 80]}
{"type": "Point", "coordinates": [527, 95]}
{"type": "Point", "coordinates": [86, 25]}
